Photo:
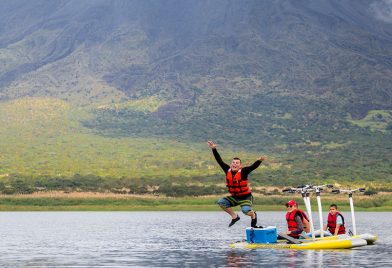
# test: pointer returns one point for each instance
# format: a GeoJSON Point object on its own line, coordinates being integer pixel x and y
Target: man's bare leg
{"type": "Point", "coordinates": [230, 211]}
{"type": "Point", "coordinates": [252, 214]}
{"type": "Point", "coordinates": [234, 216]}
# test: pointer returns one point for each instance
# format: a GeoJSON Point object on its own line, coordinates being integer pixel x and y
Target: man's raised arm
{"type": "Point", "coordinates": [255, 165]}
{"type": "Point", "coordinates": [218, 158]}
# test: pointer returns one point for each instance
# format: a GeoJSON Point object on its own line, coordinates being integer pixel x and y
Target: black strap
{"type": "Point", "coordinates": [289, 238]}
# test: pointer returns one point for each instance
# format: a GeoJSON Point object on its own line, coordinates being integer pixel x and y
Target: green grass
{"type": "Point", "coordinates": [145, 105]}
{"type": "Point", "coordinates": [151, 203]}
{"type": "Point", "coordinates": [375, 120]}
{"type": "Point", "coordinates": [44, 136]}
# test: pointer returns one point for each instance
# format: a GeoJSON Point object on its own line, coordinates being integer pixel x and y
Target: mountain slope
{"type": "Point", "coordinates": [43, 137]}
{"type": "Point", "coordinates": [328, 48]}
{"type": "Point", "coordinates": [307, 82]}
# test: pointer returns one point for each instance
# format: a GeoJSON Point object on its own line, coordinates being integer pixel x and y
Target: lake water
{"type": "Point", "coordinates": [169, 239]}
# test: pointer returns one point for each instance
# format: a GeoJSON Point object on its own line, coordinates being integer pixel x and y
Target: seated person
{"type": "Point", "coordinates": [335, 221]}
{"type": "Point", "coordinates": [297, 220]}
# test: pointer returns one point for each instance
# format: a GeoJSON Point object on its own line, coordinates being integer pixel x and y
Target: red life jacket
{"type": "Point", "coordinates": [332, 223]}
{"type": "Point", "coordinates": [236, 185]}
{"type": "Point", "coordinates": [292, 224]}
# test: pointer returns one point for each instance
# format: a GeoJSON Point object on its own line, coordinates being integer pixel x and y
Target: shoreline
{"type": "Point", "coordinates": [148, 208]}
{"type": "Point", "coordinates": [91, 201]}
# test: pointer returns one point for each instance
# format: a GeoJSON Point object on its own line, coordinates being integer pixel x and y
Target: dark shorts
{"type": "Point", "coordinates": [245, 202]}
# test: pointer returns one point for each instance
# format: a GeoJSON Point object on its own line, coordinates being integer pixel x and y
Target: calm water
{"type": "Point", "coordinates": [167, 239]}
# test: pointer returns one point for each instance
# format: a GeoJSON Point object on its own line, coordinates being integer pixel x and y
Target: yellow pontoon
{"type": "Point", "coordinates": [320, 244]}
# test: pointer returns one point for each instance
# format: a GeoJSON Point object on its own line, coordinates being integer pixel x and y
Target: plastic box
{"type": "Point", "coordinates": [264, 235]}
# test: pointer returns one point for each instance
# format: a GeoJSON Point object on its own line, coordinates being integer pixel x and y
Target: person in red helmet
{"type": "Point", "coordinates": [297, 220]}
{"type": "Point", "coordinates": [237, 185]}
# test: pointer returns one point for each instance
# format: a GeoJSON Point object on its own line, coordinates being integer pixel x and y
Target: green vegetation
{"type": "Point", "coordinates": [47, 144]}
{"type": "Point", "coordinates": [146, 105]}
{"type": "Point", "coordinates": [90, 201]}
{"type": "Point", "coordinates": [43, 137]}
{"type": "Point", "coordinates": [44, 146]}
{"type": "Point", "coordinates": [316, 144]}
{"type": "Point", "coordinates": [375, 120]}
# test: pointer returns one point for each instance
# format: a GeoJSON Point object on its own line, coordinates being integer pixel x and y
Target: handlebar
{"type": "Point", "coordinates": [350, 191]}
{"type": "Point", "coordinates": [308, 188]}
{"type": "Point", "coordinates": [303, 188]}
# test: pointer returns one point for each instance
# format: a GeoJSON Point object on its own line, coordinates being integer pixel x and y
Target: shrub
{"type": "Point", "coordinates": [370, 191]}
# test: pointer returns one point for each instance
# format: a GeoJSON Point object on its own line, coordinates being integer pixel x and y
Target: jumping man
{"type": "Point", "coordinates": [237, 184]}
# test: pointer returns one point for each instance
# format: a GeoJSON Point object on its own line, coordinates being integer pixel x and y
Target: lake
{"type": "Point", "coordinates": [169, 239]}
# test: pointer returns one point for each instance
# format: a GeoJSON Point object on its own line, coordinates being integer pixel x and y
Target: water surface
{"type": "Point", "coordinates": [168, 239]}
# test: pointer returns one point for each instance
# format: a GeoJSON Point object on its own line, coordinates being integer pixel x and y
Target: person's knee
{"type": "Point", "coordinates": [223, 203]}
{"type": "Point", "coordinates": [246, 209]}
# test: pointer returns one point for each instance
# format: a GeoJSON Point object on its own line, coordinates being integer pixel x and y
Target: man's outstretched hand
{"type": "Point", "coordinates": [212, 144]}
{"type": "Point", "coordinates": [262, 158]}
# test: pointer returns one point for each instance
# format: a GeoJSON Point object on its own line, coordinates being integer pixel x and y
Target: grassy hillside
{"type": "Point", "coordinates": [44, 145]}
{"type": "Point", "coordinates": [311, 139]}
{"type": "Point", "coordinates": [42, 139]}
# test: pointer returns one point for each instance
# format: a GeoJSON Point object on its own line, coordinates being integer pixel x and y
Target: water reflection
{"type": "Point", "coordinates": [291, 258]}
{"type": "Point", "coordinates": [237, 258]}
